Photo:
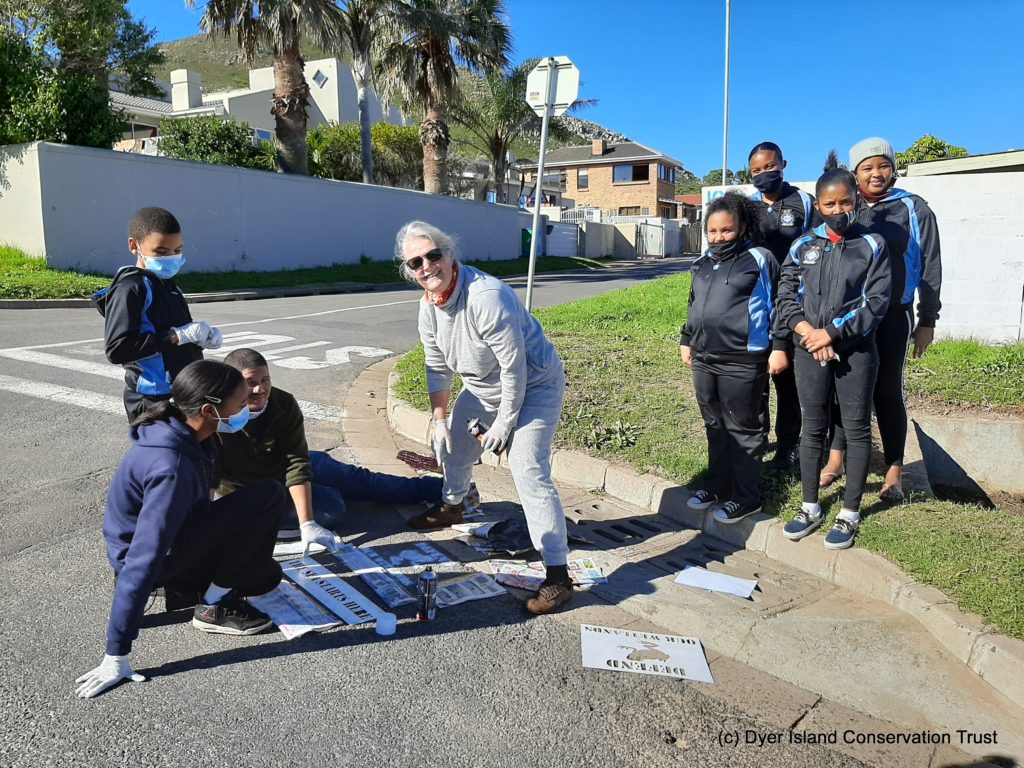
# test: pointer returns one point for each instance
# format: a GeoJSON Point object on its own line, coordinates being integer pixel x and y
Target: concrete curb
{"type": "Point", "coordinates": [996, 659]}
{"type": "Point", "coordinates": [243, 294]}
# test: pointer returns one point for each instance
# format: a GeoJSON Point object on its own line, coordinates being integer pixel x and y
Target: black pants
{"type": "Point", "coordinates": [729, 396]}
{"type": "Point", "coordinates": [787, 409]}
{"type": "Point", "coordinates": [850, 382]}
{"type": "Point", "coordinates": [893, 338]}
{"type": "Point", "coordinates": [231, 545]}
{"type": "Point", "coordinates": [135, 404]}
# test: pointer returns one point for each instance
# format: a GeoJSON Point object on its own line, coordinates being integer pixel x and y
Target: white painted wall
{"type": "Point", "coordinates": [21, 205]}
{"type": "Point", "coordinates": [232, 218]}
{"type": "Point", "coordinates": [981, 227]}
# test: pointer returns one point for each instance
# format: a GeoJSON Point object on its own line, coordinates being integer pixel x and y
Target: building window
{"type": "Point", "coordinates": [319, 78]}
{"type": "Point", "coordinates": [629, 210]}
{"type": "Point", "coordinates": [556, 179]}
{"type": "Point", "coordinates": [666, 173]}
{"type": "Point", "coordinates": [666, 213]}
{"type": "Point", "coordinates": [645, 212]}
{"type": "Point", "coordinates": [582, 179]}
{"type": "Point", "coordinates": [623, 174]}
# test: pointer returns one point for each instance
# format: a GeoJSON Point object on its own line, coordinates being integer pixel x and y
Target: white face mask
{"type": "Point", "coordinates": [260, 412]}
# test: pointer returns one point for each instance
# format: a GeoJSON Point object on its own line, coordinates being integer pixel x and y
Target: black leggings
{"type": "Point", "coordinates": [850, 381]}
{"type": "Point", "coordinates": [892, 337]}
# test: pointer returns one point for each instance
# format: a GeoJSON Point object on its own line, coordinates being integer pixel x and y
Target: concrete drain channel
{"type": "Point", "coordinates": [642, 554]}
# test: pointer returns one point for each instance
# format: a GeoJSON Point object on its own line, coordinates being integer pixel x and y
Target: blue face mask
{"type": "Point", "coordinates": [164, 267]}
{"type": "Point", "coordinates": [233, 423]}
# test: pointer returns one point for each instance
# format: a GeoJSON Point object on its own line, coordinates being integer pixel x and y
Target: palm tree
{"type": "Point", "coordinates": [421, 68]}
{"type": "Point", "coordinates": [369, 26]}
{"type": "Point", "coordinates": [494, 111]}
{"type": "Point", "coordinates": [280, 25]}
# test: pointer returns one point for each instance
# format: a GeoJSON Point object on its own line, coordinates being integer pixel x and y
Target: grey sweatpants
{"type": "Point", "coordinates": [529, 458]}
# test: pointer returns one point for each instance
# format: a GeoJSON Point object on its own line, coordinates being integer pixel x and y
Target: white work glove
{"type": "Point", "coordinates": [314, 533]}
{"type": "Point", "coordinates": [193, 333]}
{"type": "Point", "coordinates": [113, 670]}
{"type": "Point", "coordinates": [214, 340]}
{"type": "Point", "coordinates": [442, 439]}
{"type": "Point", "coordinates": [494, 439]}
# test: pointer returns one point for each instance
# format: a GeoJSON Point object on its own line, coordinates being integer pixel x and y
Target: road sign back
{"type": "Point", "coordinates": [564, 89]}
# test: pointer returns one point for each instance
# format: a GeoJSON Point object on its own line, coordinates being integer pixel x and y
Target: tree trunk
{"type": "Point", "coordinates": [500, 169]}
{"type": "Point", "coordinates": [435, 139]}
{"type": "Point", "coordinates": [361, 76]}
{"type": "Point", "coordinates": [290, 110]}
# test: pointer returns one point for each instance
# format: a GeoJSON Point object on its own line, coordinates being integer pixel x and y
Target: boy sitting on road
{"type": "Point", "coordinates": [148, 328]}
{"type": "Point", "coordinates": [273, 445]}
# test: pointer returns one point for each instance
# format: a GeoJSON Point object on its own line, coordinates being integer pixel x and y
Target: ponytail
{"type": "Point", "coordinates": [198, 384]}
{"type": "Point", "coordinates": [164, 410]}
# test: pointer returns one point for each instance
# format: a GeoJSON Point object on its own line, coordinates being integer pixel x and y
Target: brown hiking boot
{"type": "Point", "coordinates": [438, 516]}
{"type": "Point", "coordinates": [551, 597]}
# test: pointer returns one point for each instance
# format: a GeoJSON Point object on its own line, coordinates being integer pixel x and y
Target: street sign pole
{"type": "Point", "coordinates": [539, 187]}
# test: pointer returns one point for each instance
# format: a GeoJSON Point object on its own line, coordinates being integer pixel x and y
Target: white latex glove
{"type": "Point", "coordinates": [312, 532]}
{"type": "Point", "coordinates": [494, 439]}
{"type": "Point", "coordinates": [214, 340]}
{"type": "Point", "coordinates": [193, 333]}
{"type": "Point", "coordinates": [442, 440]}
{"type": "Point", "coordinates": [113, 670]}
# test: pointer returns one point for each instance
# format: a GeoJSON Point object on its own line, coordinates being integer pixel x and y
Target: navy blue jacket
{"type": "Point", "coordinates": [139, 309]}
{"type": "Point", "coordinates": [843, 287]}
{"type": "Point", "coordinates": [732, 303]}
{"type": "Point", "coordinates": [908, 226]}
{"type": "Point", "coordinates": [165, 477]}
{"type": "Point", "coordinates": [785, 219]}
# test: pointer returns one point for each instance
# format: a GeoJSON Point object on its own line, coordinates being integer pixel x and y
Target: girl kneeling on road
{"type": "Point", "coordinates": [834, 290]}
{"type": "Point", "coordinates": [728, 343]}
{"type": "Point", "coordinates": [162, 529]}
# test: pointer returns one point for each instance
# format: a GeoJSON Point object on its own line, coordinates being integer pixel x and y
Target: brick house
{"type": "Point", "coordinates": [627, 179]}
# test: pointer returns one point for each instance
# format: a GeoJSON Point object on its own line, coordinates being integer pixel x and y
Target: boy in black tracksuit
{"type": "Point", "coordinates": [786, 213]}
{"type": "Point", "coordinates": [910, 230]}
{"type": "Point", "coordinates": [834, 290]}
{"type": "Point", "coordinates": [148, 328]}
{"type": "Point", "coordinates": [727, 341]}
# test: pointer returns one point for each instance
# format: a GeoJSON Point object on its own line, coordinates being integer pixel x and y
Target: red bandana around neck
{"type": "Point", "coordinates": [439, 300]}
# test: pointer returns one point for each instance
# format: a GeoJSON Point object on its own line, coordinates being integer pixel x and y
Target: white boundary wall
{"type": "Point", "coordinates": [981, 226]}
{"type": "Point", "coordinates": [73, 205]}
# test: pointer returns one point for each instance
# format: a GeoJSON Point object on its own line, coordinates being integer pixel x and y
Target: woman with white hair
{"type": "Point", "coordinates": [473, 324]}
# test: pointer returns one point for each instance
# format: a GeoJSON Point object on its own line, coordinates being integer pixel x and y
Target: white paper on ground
{"type": "Point", "coordinates": [476, 586]}
{"type": "Point", "coordinates": [695, 576]}
{"type": "Point", "coordinates": [476, 529]}
{"type": "Point", "coordinates": [378, 579]}
{"type": "Point", "coordinates": [644, 653]}
{"type": "Point", "coordinates": [294, 548]}
{"type": "Point", "coordinates": [327, 588]}
{"type": "Point", "coordinates": [293, 611]}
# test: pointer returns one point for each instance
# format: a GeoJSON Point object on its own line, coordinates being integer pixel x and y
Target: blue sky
{"type": "Point", "coordinates": [808, 75]}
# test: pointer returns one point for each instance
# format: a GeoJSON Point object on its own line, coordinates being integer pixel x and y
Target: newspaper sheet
{"type": "Point", "coordinates": [293, 611]}
{"type": "Point", "coordinates": [529, 576]}
{"type": "Point", "coordinates": [328, 589]}
{"type": "Point", "coordinates": [644, 653]}
{"type": "Point", "coordinates": [378, 579]}
{"type": "Point", "coordinates": [476, 586]}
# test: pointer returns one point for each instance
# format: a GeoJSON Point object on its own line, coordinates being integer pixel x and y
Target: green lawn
{"type": "Point", "coordinates": [26, 277]}
{"type": "Point", "coordinates": [969, 373]}
{"type": "Point", "coordinates": [630, 399]}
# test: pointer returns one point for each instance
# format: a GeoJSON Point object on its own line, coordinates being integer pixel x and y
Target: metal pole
{"type": "Point", "coordinates": [725, 129]}
{"type": "Point", "coordinates": [539, 193]}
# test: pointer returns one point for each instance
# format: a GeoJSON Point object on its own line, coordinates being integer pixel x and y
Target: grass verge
{"type": "Point", "coordinates": [958, 373]}
{"type": "Point", "coordinates": [630, 399]}
{"type": "Point", "coordinates": [26, 277]}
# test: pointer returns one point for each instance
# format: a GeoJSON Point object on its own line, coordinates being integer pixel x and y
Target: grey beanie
{"type": "Point", "coordinates": [873, 147]}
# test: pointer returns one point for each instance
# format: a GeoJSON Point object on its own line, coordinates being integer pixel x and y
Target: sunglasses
{"type": "Point", "coordinates": [433, 257]}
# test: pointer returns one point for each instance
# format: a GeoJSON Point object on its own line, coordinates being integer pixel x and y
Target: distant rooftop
{"type": "Point", "coordinates": [614, 153]}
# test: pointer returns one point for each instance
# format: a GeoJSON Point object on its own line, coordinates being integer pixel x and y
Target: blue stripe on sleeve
{"type": "Point", "coordinates": [153, 378]}
{"type": "Point", "coordinates": [760, 307]}
{"type": "Point", "coordinates": [912, 256]}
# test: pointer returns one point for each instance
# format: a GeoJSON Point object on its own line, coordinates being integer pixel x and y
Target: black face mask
{"type": "Point", "coordinates": [769, 181]}
{"type": "Point", "coordinates": [840, 222]}
{"type": "Point", "coordinates": [723, 250]}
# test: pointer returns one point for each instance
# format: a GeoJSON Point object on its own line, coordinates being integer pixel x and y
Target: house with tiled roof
{"type": "Point", "coordinates": [626, 178]}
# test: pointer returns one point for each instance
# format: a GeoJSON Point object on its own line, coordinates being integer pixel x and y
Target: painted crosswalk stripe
{"type": "Point", "coordinates": [55, 393]}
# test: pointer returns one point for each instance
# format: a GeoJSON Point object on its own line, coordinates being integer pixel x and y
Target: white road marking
{"type": "Point", "coordinates": [29, 355]}
{"type": "Point", "coordinates": [332, 357]}
{"type": "Point", "coordinates": [318, 412]}
{"type": "Point", "coordinates": [55, 393]}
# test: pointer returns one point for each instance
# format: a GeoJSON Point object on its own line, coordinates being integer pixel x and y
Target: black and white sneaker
{"type": "Point", "coordinates": [804, 524]}
{"type": "Point", "coordinates": [701, 500]}
{"type": "Point", "coordinates": [231, 616]}
{"type": "Point", "coordinates": [842, 534]}
{"type": "Point", "coordinates": [732, 512]}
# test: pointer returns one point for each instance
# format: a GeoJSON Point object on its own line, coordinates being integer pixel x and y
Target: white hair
{"type": "Point", "coordinates": [417, 229]}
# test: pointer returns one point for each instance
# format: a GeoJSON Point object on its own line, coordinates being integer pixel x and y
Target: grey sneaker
{"type": "Point", "coordinates": [802, 525]}
{"type": "Point", "coordinates": [842, 535]}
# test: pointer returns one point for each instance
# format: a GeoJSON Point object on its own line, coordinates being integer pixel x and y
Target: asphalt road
{"type": "Point", "coordinates": [483, 685]}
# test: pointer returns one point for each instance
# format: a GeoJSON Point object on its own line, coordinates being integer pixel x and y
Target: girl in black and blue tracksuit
{"type": "Point", "coordinates": [727, 341]}
{"type": "Point", "coordinates": [163, 530]}
{"type": "Point", "coordinates": [833, 292]}
{"type": "Point", "coordinates": [910, 230]}
{"type": "Point", "coordinates": [786, 213]}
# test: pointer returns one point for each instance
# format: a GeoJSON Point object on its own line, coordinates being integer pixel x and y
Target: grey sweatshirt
{"type": "Point", "coordinates": [484, 333]}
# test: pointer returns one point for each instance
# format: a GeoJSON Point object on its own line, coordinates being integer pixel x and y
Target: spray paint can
{"type": "Point", "coordinates": [477, 428]}
{"type": "Point", "coordinates": [427, 593]}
